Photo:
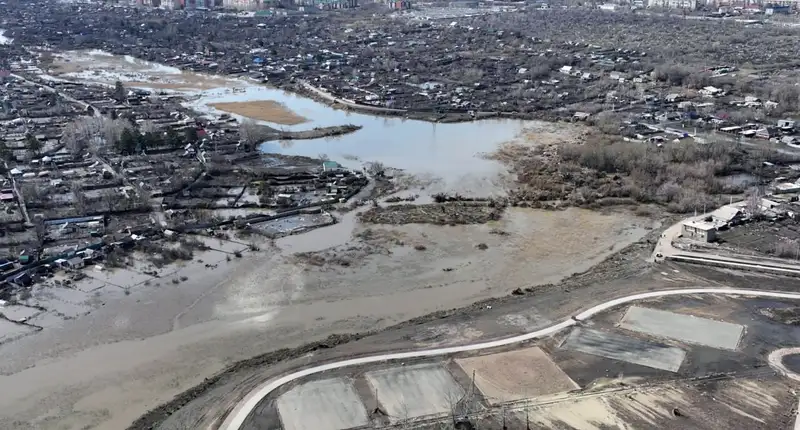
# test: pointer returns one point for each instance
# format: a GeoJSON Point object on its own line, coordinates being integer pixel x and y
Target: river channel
{"type": "Point", "coordinates": [450, 152]}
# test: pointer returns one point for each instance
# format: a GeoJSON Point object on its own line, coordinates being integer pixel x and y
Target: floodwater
{"type": "Point", "coordinates": [741, 180]}
{"type": "Point", "coordinates": [452, 152]}
{"type": "Point", "coordinates": [449, 152]}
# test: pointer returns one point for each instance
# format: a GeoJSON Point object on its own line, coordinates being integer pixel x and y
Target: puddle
{"type": "Point", "coordinates": [320, 238]}
{"type": "Point", "coordinates": [741, 180]}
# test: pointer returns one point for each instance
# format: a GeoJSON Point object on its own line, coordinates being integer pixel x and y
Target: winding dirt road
{"type": "Point", "coordinates": [236, 418]}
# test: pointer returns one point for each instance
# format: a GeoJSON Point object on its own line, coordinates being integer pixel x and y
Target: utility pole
{"type": "Point", "coordinates": [527, 420]}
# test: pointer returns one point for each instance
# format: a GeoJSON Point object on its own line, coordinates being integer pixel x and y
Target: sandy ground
{"type": "Point", "coordinates": [265, 110]}
{"type": "Point", "coordinates": [101, 67]}
{"type": "Point", "coordinates": [516, 375]}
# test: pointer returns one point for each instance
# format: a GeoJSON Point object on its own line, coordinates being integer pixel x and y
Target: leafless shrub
{"type": "Point", "coordinates": [93, 133]}
{"type": "Point", "coordinates": [788, 249]}
{"type": "Point", "coordinates": [683, 177]}
{"type": "Point", "coordinates": [148, 127]}
{"type": "Point", "coordinates": [79, 200]}
{"type": "Point", "coordinates": [252, 133]}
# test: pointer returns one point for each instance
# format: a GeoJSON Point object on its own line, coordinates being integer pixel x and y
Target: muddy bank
{"type": "Point", "coordinates": [434, 116]}
{"type": "Point", "coordinates": [619, 264]}
{"type": "Point", "coordinates": [438, 214]}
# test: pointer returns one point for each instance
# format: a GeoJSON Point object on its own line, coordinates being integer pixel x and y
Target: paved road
{"type": "Point", "coordinates": [236, 418]}
{"type": "Point", "coordinates": [775, 360]}
{"type": "Point", "coordinates": [665, 250]}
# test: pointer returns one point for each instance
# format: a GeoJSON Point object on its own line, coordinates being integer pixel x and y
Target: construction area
{"type": "Point", "coordinates": [639, 366]}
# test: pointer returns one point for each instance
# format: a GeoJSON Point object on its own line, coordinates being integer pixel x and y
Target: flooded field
{"type": "Point", "coordinates": [152, 337]}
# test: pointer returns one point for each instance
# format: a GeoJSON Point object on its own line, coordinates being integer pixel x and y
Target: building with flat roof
{"type": "Point", "coordinates": [699, 230]}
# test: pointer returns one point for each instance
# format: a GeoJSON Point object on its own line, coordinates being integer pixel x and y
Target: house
{"type": "Point", "coordinates": [727, 215]}
{"type": "Point", "coordinates": [710, 91]}
{"type": "Point", "coordinates": [766, 132]}
{"type": "Point", "coordinates": [74, 263]}
{"type": "Point", "coordinates": [790, 140]}
{"type": "Point", "coordinates": [566, 70]}
{"type": "Point", "coordinates": [786, 125]}
{"type": "Point", "coordinates": [6, 195]}
{"type": "Point", "coordinates": [699, 230]}
{"type": "Point", "coordinates": [731, 129]}
{"type": "Point", "coordinates": [672, 98]}
{"type": "Point", "coordinates": [330, 165]}
{"type": "Point", "coordinates": [6, 265]}
{"type": "Point", "coordinates": [617, 76]}
{"type": "Point", "coordinates": [283, 199]}
{"type": "Point", "coordinates": [23, 280]}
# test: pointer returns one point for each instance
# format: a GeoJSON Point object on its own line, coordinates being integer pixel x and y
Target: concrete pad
{"type": "Point", "coordinates": [19, 312]}
{"type": "Point", "coordinates": [330, 404]}
{"type": "Point", "coordinates": [120, 277]}
{"type": "Point", "coordinates": [686, 328]}
{"type": "Point", "coordinates": [10, 331]}
{"type": "Point", "coordinates": [624, 348]}
{"type": "Point", "coordinates": [516, 375]}
{"type": "Point", "coordinates": [61, 301]}
{"type": "Point", "coordinates": [415, 391]}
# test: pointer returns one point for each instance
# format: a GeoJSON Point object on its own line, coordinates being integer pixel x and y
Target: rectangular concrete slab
{"type": "Point", "coordinates": [686, 328]}
{"type": "Point", "coordinates": [330, 404]}
{"type": "Point", "coordinates": [516, 375]}
{"type": "Point", "coordinates": [624, 348]}
{"type": "Point", "coordinates": [415, 391]}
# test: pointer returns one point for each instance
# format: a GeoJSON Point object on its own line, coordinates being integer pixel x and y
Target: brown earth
{"type": "Point", "coordinates": [265, 110]}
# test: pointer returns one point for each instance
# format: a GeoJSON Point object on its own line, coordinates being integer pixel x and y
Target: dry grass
{"type": "Point", "coordinates": [265, 110]}
{"type": "Point", "coordinates": [603, 170]}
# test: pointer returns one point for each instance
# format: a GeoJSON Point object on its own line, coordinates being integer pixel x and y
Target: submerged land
{"type": "Point", "coordinates": [187, 218]}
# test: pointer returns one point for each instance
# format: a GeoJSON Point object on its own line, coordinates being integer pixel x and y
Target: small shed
{"type": "Point", "coordinates": [330, 165]}
{"type": "Point", "coordinates": [580, 116]}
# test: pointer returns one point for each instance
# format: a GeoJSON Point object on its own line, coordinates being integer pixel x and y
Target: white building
{"type": "Point", "coordinates": [699, 230]}
{"type": "Point", "coordinates": [674, 4]}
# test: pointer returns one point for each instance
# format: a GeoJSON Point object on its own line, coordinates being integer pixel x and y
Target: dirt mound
{"type": "Point", "coordinates": [788, 316]}
{"type": "Point", "coordinates": [439, 214]}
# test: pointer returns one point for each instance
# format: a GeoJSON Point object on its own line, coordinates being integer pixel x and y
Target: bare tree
{"type": "Point", "coordinates": [93, 133]}
{"type": "Point", "coordinates": [753, 203]}
{"type": "Point", "coordinates": [40, 230]}
{"type": "Point", "coordinates": [79, 199]}
{"type": "Point", "coordinates": [375, 168]}
{"type": "Point", "coordinates": [252, 133]}
{"type": "Point", "coordinates": [148, 127]}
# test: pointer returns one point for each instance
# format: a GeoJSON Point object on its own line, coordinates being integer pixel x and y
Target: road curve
{"type": "Point", "coordinates": [237, 416]}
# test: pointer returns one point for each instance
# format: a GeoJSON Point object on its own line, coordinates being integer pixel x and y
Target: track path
{"type": "Point", "coordinates": [237, 416]}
